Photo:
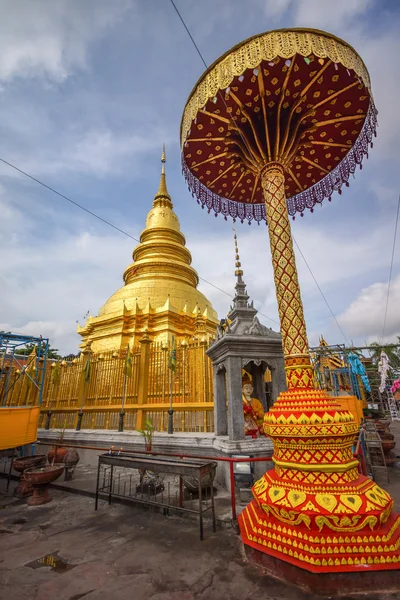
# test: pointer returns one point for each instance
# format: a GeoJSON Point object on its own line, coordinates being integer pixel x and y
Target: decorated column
{"type": "Point", "coordinates": [290, 307]}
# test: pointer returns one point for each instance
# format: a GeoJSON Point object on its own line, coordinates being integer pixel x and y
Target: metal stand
{"type": "Point", "coordinates": [394, 413]}
{"type": "Point", "coordinates": [115, 467]}
{"type": "Point", "coordinates": [375, 454]}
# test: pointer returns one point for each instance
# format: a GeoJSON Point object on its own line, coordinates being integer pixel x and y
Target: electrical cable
{"type": "Point", "coordinates": [220, 94]}
{"type": "Point", "coordinates": [391, 269]}
{"type": "Point", "coordinates": [322, 293]}
{"type": "Point", "coordinates": [245, 142]}
{"type": "Point", "coordinates": [51, 189]}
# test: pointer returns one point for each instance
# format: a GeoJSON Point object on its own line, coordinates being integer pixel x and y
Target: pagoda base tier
{"type": "Point", "coordinates": [325, 550]}
{"type": "Point", "coordinates": [335, 585]}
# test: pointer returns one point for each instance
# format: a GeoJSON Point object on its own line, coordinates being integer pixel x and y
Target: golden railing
{"type": "Point", "coordinates": [148, 391]}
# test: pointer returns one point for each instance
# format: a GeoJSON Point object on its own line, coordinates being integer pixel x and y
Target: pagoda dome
{"type": "Point", "coordinates": [160, 281]}
{"type": "Point", "coordinates": [161, 266]}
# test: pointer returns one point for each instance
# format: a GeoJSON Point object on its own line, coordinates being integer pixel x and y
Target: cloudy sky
{"type": "Point", "coordinates": [90, 90]}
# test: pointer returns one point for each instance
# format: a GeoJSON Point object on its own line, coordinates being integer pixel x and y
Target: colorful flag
{"type": "Point", "coordinates": [128, 363]}
{"type": "Point", "coordinates": [86, 368]}
{"type": "Point", "coordinates": [172, 356]}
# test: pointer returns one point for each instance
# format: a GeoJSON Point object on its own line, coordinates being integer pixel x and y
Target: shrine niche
{"type": "Point", "coordinates": [244, 345]}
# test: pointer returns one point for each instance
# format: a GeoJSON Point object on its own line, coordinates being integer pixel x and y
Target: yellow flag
{"type": "Point", "coordinates": [128, 363]}
{"type": "Point", "coordinates": [172, 356]}
{"type": "Point", "coordinates": [86, 368]}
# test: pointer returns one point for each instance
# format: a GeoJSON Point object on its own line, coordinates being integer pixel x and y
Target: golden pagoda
{"type": "Point", "coordinates": [160, 294]}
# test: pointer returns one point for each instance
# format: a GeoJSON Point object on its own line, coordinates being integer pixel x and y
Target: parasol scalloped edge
{"type": "Point", "coordinates": [300, 202]}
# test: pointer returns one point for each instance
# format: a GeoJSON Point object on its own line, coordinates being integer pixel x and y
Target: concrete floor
{"type": "Point", "coordinates": [120, 552]}
{"type": "Point", "coordinates": [123, 552]}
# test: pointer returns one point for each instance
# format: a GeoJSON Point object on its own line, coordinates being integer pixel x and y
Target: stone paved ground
{"type": "Point", "coordinates": [123, 552]}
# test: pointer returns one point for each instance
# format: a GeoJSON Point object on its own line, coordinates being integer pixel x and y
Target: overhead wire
{"type": "Point", "coordinates": [321, 292]}
{"type": "Point", "coordinates": [246, 144]}
{"type": "Point", "coordinates": [106, 222]}
{"type": "Point", "coordinates": [391, 269]}
{"type": "Point", "coordinates": [220, 94]}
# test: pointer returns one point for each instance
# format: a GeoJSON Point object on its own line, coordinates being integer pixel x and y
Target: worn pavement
{"type": "Point", "coordinates": [122, 552]}
{"type": "Point", "coordinates": [66, 551]}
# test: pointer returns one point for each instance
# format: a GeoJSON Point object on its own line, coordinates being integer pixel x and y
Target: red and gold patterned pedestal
{"type": "Point", "coordinates": [314, 509]}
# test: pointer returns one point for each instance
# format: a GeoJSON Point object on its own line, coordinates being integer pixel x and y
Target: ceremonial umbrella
{"type": "Point", "coordinates": [272, 128]}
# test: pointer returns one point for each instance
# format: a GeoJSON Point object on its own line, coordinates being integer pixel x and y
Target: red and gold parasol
{"type": "Point", "coordinates": [298, 97]}
{"type": "Point", "coordinates": [273, 127]}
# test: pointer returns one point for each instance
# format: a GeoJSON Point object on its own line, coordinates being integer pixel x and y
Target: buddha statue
{"type": "Point", "coordinates": [252, 408]}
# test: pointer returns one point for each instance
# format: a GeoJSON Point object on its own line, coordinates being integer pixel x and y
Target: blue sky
{"type": "Point", "coordinates": [90, 90]}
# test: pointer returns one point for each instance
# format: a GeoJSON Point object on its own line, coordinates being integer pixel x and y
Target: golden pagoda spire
{"type": "Point", "coordinates": [238, 271]}
{"type": "Point", "coordinates": [241, 297]}
{"type": "Point", "coordinates": [163, 159]}
{"type": "Point", "coordinates": [160, 286]}
{"type": "Point", "coordinates": [162, 188]}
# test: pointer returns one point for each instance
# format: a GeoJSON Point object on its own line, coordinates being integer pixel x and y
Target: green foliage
{"type": "Point", "coordinates": [71, 356]}
{"type": "Point", "coordinates": [61, 432]}
{"type": "Point", "coordinates": [374, 413]}
{"type": "Point", "coordinates": [393, 354]}
{"type": "Point", "coordinates": [26, 350]}
{"type": "Point", "coordinates": [147, 432]}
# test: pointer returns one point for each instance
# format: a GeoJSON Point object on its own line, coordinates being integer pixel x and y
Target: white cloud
{"type": "Point", "coordinates": [386, 194]}
{"type": "Point", "coordinates": [322, 14]}
{"type": "Point", "coordinates": [332, 255]}
{"type": "Point", "coordinates": [102, 127]}
{"type": "Point", "coordinates": [318, 14]}
{"type": "Point", "coordinates": [60, 332]}
{"type": "Point", "coordinates": [47, 287]}
{"type": "Point", "coordinates": [275, 9]}
{"type": "Point", "coordinates": [50, 39]}
{"type": "Point", "coordinates": [378, 45]}
{"type": "Point", "coordinates": [97, 153]}
{"type": "Point", "coordinates": [365, 315]}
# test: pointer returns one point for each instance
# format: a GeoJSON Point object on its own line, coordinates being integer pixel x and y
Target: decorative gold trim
{"type": "Point", "coordinates": [283, 43]}
{"type": "Point", "coordinates": [325, 468]}
{"type": "Point", "coordinates": [289, 517]}
{"type": "Point", "coordinates": [345, 524]}
{"type": "Point", "coordinates": [313, 164]}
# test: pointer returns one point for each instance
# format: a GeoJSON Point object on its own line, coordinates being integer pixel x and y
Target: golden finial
{"type": "Point", "coordinates": [238, 270]}
{"type": "Point", "coordinates": [162, 188]}
{"type": "Point", "coordinates": [163, 159]}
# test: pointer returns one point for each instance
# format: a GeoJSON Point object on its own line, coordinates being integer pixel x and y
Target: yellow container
{"type": "Point", "coordinates": [352, 404]}
{"type": "Point", "coordinates": [18, 426]}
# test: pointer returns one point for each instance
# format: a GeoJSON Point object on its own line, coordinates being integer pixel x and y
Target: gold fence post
{"type": "Point", "coordinates": [143, 388]}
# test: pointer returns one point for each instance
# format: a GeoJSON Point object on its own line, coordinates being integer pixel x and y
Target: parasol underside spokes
{"type": "Point", "coordinates": [309, 114]}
